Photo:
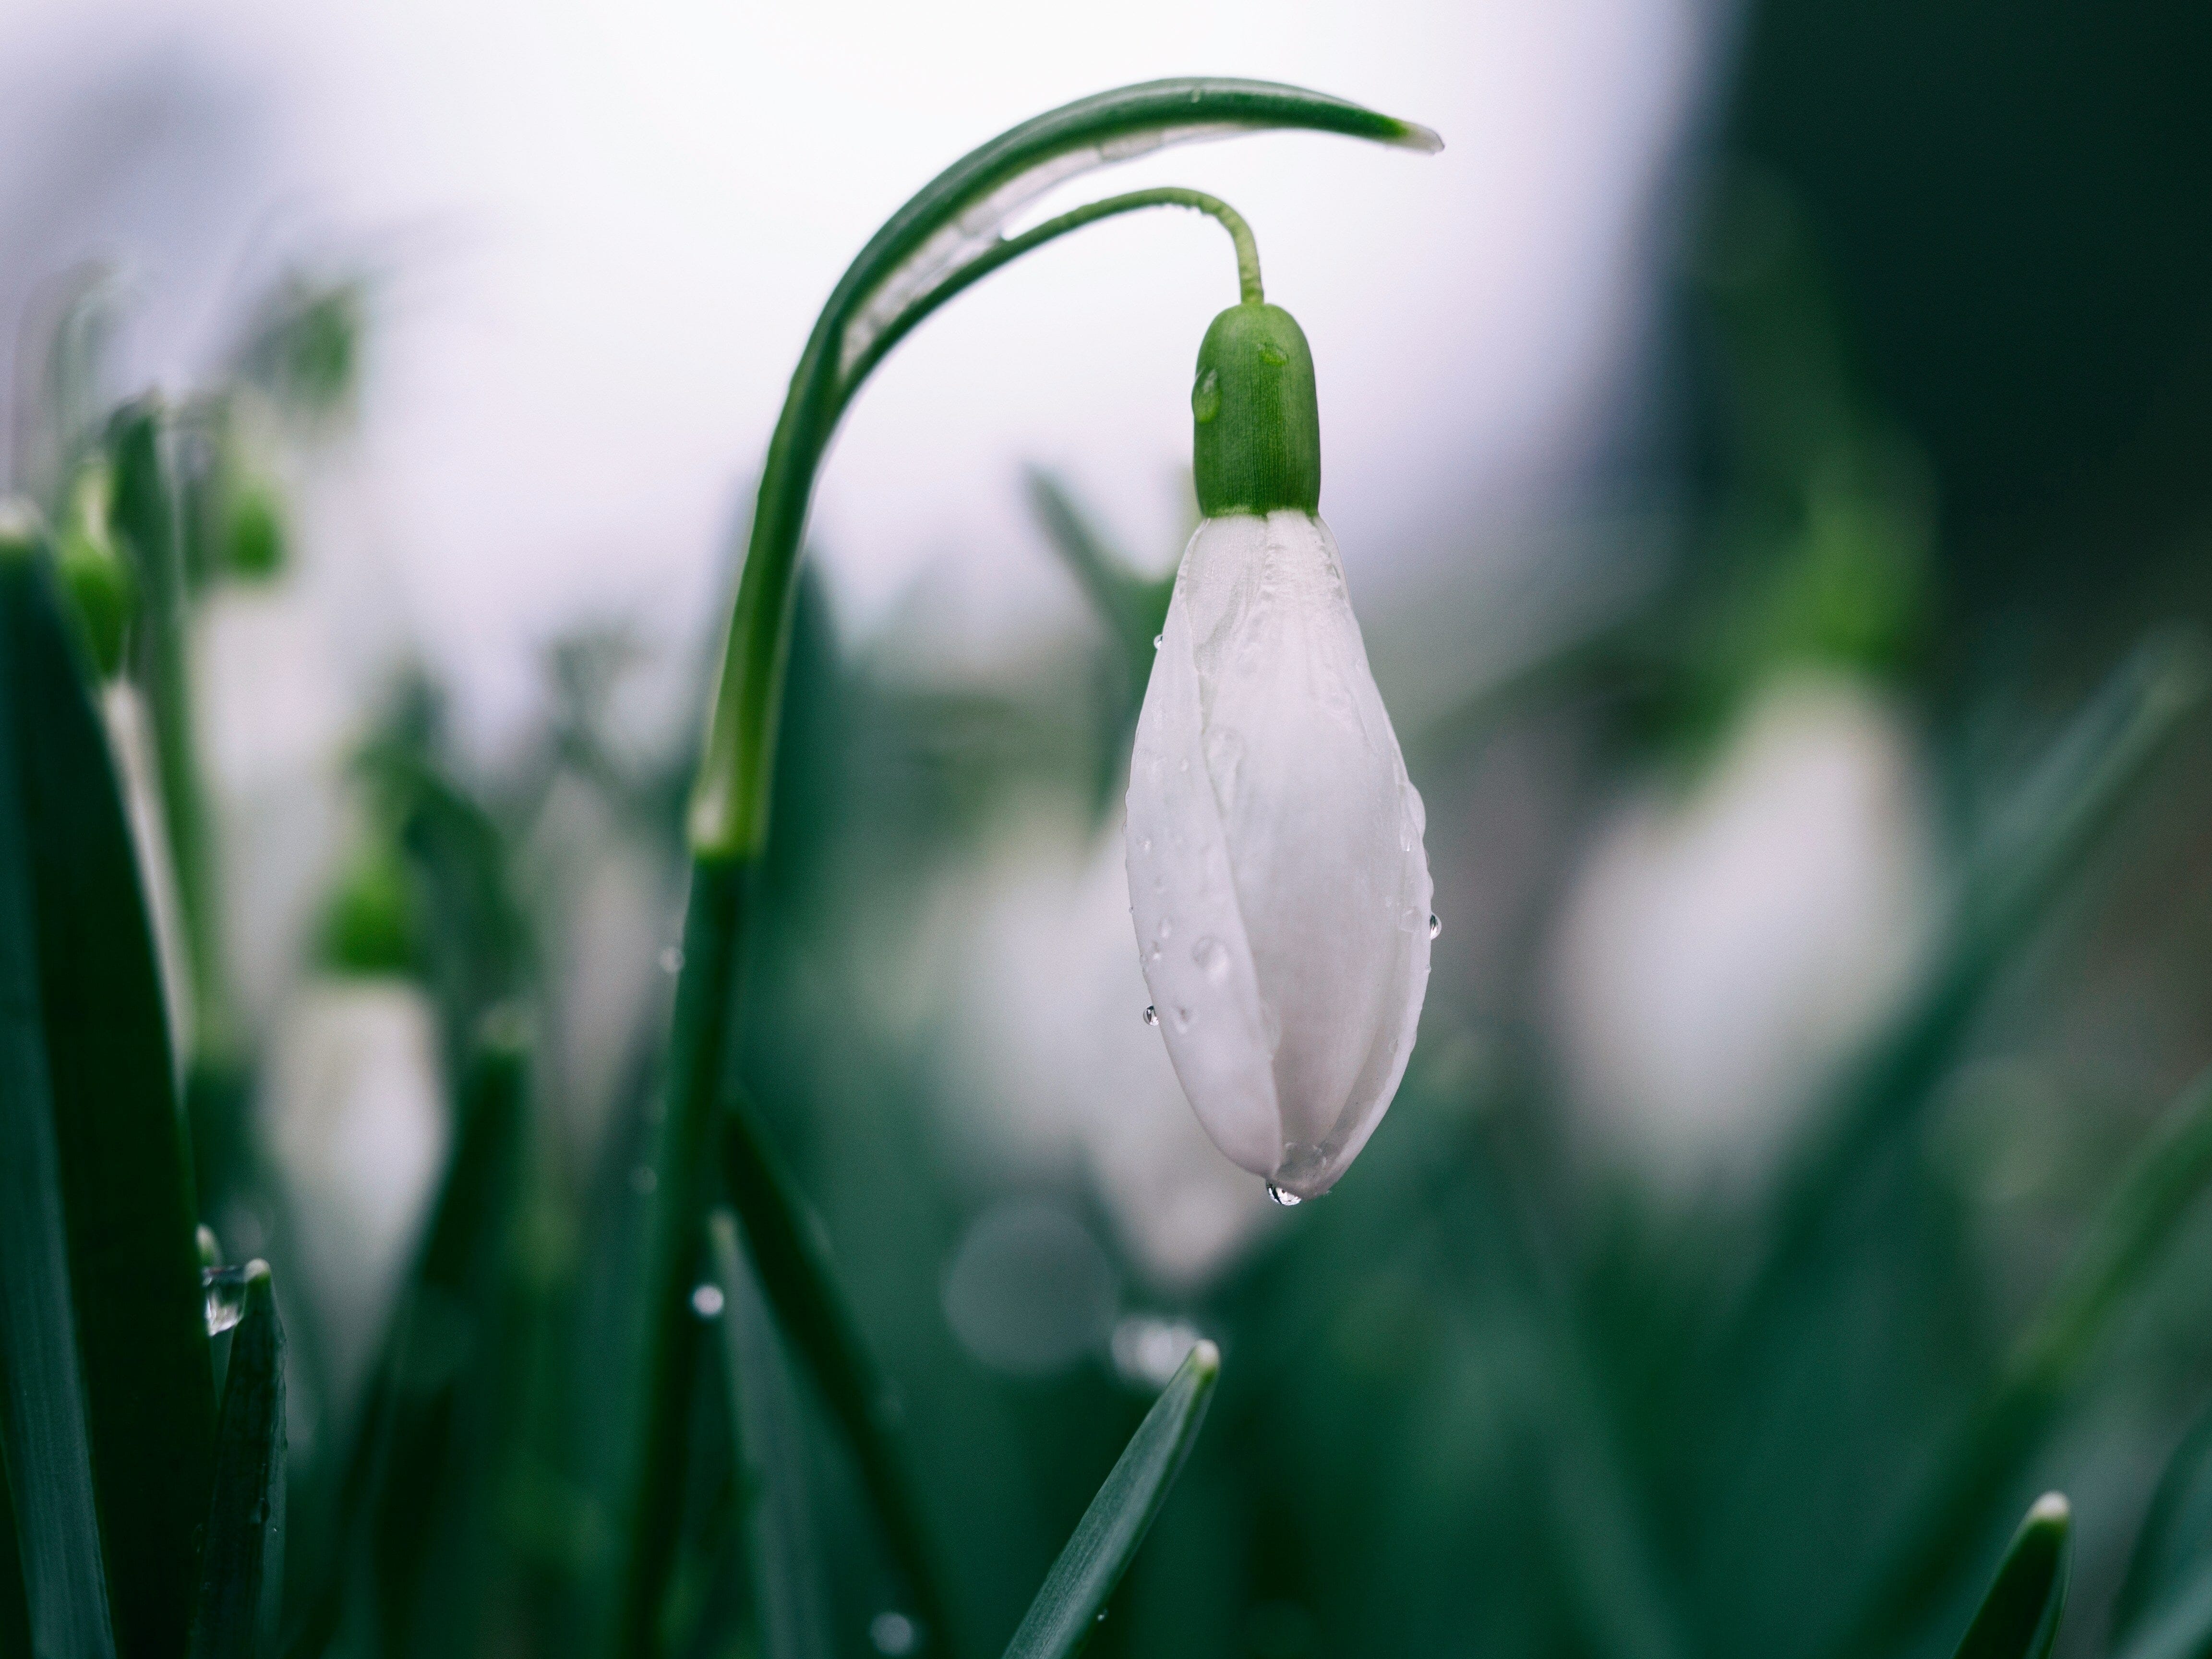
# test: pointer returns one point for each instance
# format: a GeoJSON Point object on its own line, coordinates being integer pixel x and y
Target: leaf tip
{"type": "Point", "coordinates": [1412, 135]}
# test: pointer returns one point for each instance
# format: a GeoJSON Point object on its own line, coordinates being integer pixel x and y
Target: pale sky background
{"type": "Point", "coordinates": [608, 228]}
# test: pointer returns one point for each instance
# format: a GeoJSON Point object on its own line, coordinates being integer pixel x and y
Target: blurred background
{"type": "Point", "coordinates": [1753, 441]}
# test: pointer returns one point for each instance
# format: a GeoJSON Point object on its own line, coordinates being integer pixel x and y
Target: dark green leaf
{"type": "Point", "coordinates": [2178, 1627]}
{"type": "Point", "coordinates": [42, 1407]}
{"type": "Point", "coordinates": [2174, 1549]}
{"type": "Point", "coordinates": [2019, 1617]}
{"type": "Point", "coordinates": [2028, 864]}
{"type": "Point", "coordinates": [146, 523]}
{"type": "Point", "coordinates": [2113, 1261]}
{"type": "Point", "coordinates": [787, 1247]}
{"type": "Point", "coordinates": [1077, 1588]}
{"type": "Point", "coordinates": [787, 1576]}
{"type": "Point", "coordinates": [242, 1577]}
{"type": "Point", "coordinates": [125, 1182]}
{"type": "Point", "coordinates": [421, 1481]}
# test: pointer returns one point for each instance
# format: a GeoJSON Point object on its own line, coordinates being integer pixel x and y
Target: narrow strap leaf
{"type": "Point", "coordinates": [2113, 1261]}
{"type": "Point", "coordinates": [2030, 861]}
{"type": "Point", "coordinates": [787, 1577]}
{"type": "Point", "coordinates": [785, 1242]}
{"type": "Point", "coordinates": [124, 1173]}
{"type": "Point", "coordinates": [2019, 1617]}
{"type": "Point", "coordinates": [2179, 1627]}
{"type": "Point", "coordinates": [409, 1441]}
{"type": "Point", "coordinates": [43, 1423]}
{"type": "Point", "coordinates": [2173, 1552]}
{"type": "Point", "coordinates": [242, 1574]}
{"type": "Point", "coordinates": [1077, 1588]}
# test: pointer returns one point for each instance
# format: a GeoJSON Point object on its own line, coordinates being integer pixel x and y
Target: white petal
{"type": "Point", "coordinates": [1276, 872]}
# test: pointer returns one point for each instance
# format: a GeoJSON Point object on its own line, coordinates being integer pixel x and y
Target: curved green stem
{"type": "Point", "coordinates": [950, 222]}
{"type": "Point", "coordinates": [1006, 252]}
{"type": "Point", "coordinates": [943, 240]}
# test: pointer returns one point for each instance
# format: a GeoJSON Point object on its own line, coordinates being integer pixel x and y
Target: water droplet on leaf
{"type": "Point", "coordinates": [707, 1301]}
{"type": "Point", "coordinates": [1272, 355]}
{"type": "Point", "coordinates": [225, 1290]}
{"type": "Point", "coordinates": [642, 1180]}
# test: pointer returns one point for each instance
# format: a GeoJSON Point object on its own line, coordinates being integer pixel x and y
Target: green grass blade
{"type": "Point", "coordinates": [420, 1478]}
{"type": "Point", "coordinates": [787, 1247]}
{"type": "Point", "coordinates": [2174, 1550]}
{"type": "Point", "coordinates": [15, 1611]}
{"type": "Point", "coordinates": [146, 517]}
{"type": "Point", "coordinates": [2113, 1261]}
{"type": "Point", "coordinates": [43, 1424]}
{"type": "Point", "coordinates": [242, 1576]}
{"type": "Point", "coordinates": [659, 1403]}
{"type": "Point", "coordinates": [2019, 1618]}
{"type": "Point", "coordinates": [787, 1576]}
{"type": "Point", "coordinates": [2055, 822]}
{"type": "Point", "coordinates": [119, 1140]}
{"type": "Point", "coordinates": [1077, 1588]}
{"type": "Point", "coordinates": [450, 1384]}
{"type": "Point", "coordinates": [2179, 1627]}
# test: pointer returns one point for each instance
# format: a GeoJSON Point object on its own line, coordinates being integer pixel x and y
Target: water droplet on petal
{"type": "Point", "coordinates": [1284, 1196]}
{"type": "Point", "coordinates": [707, 1301]}
{"type": "Point", "coordinates": [1182, 1018]}
{"type": "Point", "coordinates": [1159, 640]}
{"type": "Point", "coordinates": [671, 959]}
{"type": "Point", "coordinates": [225, 1290]}
{"type": "Point", "coordinates": [1166, 929]}
{"type": "Point", "coordinates": [1212, 956]}
{"type": "Point", "coordinates": [1434, 926]}
{"type": "Point", "coordinates": [1151, 1014]}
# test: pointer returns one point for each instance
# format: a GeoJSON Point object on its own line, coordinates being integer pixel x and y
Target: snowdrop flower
{"type": "Point", "coordinates": [1277, 878]}
{"type": "Point", "coordinates": [1722, 951]}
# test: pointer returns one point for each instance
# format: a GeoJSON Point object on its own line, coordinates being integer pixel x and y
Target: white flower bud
{"type": "Point", "coordinates": [1276, 872]}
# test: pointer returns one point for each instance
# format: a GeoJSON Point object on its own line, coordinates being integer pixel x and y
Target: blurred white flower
{"type": "Point", "coordinates": [1057, 1069]}
{"type": "Point", "coordinates": [354, 1112]}
{"type": "Point", "coordinates": [1720, 952]}
{"type": "Point", "coordinates": [1277, 877]}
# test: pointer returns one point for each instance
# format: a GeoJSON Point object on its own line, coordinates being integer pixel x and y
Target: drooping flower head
{"type": "Point", "coordinates": [1277, 878]}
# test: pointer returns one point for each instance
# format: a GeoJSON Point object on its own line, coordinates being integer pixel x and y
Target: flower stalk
{"type": "Point", "coordinates": [944, 240]}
